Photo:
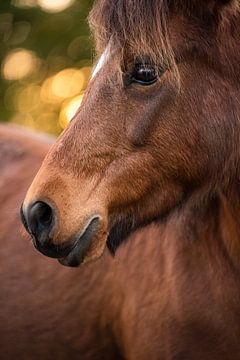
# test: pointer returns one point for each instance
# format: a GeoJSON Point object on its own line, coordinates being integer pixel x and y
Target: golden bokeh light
{"type": "Point", "coordinates": [69, 109]}
{"type": "Point", "coordinates": [67, 83]}
{"type": "Point", "coordinates": [44, 122]}
{"type": "Point", "coordinates": [49, 106]}
{"type": "Point", "coordinates": [53, 6]}
{"type": "Point", "coordinates": [19, 64]}
{"type": "Point", "coordinates": [46, 62]}
{"type": "Point", "coordinates": [28, 99]}
{"type": "Point", "coordinates": [48, 122]}
{"type": "Point", "coordinates": [47, 95]}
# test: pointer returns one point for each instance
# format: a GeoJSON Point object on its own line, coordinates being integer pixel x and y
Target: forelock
{"type": "Point", "coordinates": [138, 25]}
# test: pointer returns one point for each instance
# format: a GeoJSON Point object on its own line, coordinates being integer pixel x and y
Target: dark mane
{"type": "Point", "coordinates": [126, 23]}
{"type": "Point", "coordinates": [141, 26]}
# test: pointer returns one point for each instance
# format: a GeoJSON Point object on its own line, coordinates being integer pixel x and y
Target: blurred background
{"type": "Point", "coordinates": [46, 56]}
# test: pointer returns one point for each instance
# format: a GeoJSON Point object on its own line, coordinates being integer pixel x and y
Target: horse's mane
{"type": "Point", "coordinates": [142, 25]}
{"type": "Point", "coordinates": [132, 24]}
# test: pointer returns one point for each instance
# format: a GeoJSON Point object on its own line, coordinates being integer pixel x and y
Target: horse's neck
{"type": "Point", "coordinates": [213, 221]}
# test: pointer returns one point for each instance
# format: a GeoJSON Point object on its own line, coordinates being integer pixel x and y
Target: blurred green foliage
{"type": "Point", "coordinates": [54, 41]}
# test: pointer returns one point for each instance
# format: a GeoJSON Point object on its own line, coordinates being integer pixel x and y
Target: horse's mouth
{"type": "Point", "coordinates": [116, 235]}
{"type": "Point", "coordinates": [73, 252]}
{"type": "Point", "coordinates": [81, 245]}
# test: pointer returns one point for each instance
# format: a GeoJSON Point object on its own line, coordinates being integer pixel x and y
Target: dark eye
{"type": "Point", "coordinates": [144, 74]}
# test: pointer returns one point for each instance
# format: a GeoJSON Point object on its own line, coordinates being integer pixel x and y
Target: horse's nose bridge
{"type": "Point", "coordinates": [67, 193]}
{"type": "Point", "coordinates": [50, 188]}
{"type": "Point", "coordinates": [48, 185]}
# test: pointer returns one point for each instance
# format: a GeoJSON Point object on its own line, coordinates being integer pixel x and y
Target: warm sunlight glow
{"type": "Point", "coordinates": [69, 109]}
{"type": "Point", "coordinates": [18, 64]}
{"type": "Point", "coordinates": [47, 95]}
{"type": "Point", "coordinates": [28, 99]}
{"type": "Point", "coordinates": [67, 83]}
{"type": "Point", "coordinates": [55, 5]}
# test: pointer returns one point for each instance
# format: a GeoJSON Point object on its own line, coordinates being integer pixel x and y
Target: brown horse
{"type": "Point", "coordinates": [155, 146]}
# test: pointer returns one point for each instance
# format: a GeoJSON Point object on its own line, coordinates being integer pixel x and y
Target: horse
{"type": "Point", "coordinates": [152, 159]}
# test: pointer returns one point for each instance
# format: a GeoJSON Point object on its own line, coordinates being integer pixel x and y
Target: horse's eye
{"type": "Point", "coordinates": [144, 74]}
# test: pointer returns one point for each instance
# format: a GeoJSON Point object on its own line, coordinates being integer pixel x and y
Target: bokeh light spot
{"type": "Point", "coordinates": [47, 95]}
{"type": "Point", "coordinates": [55, 5]}
{"type": "Point", "coordinates": [67, 83]}
{"type": "Point", "coordinates": [18, 64]}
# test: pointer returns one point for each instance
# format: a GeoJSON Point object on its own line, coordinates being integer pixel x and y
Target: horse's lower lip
{"type": "Point", "coordinates": [77, 253]}
{"type": "Point", "coordinates": [51, 250]}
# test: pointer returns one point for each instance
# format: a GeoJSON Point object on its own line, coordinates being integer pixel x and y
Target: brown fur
{"type": "Point", "coordinates": [166, 155]}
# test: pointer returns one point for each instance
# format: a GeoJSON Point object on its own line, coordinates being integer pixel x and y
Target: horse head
{"type": "Point", "coordinates": [159, 119]}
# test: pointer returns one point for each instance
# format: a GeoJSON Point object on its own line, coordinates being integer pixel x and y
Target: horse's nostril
{"type": "Point", "coordinates": [40, 221]}
{"type": "Point", "coordinates": [43, 212]}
